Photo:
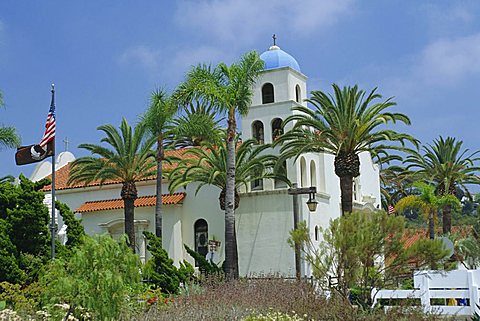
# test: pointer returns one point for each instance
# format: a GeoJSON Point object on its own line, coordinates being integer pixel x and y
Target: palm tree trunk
{"type": "Point", "coordinates": [129, 209]}
{"type": "Point", "coordinates": [346, 189]}
{"type": "Point", "coordinates": [347, 166]}
{"type": "Point", "coordinates": [129, 195]}
{"type": "Point", "coordinates": [231, 260]}
{"type": "Point", "coordinates": [431, 225]}
{"type": "Point", "coordinates": [158, 202]}
{"type": "Point", "coordinates": [447, 219]}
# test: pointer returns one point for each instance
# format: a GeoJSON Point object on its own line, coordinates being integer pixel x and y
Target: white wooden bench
{"type": "Point", "coordinates": [461, 285]}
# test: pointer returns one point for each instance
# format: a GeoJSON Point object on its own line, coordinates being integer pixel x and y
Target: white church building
{"type": "Point", "coordinates": [265, 215]}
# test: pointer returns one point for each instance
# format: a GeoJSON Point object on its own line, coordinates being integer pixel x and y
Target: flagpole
{"type": "Point", "coordinates": [52, 226]}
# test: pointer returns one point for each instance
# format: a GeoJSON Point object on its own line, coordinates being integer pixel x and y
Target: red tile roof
{"type": "Point", "coordinates": [62, 174]}
{"type": "Point", "coordinates": [413, 235]}
{"type": "Point", "coordinates": [105, 205]}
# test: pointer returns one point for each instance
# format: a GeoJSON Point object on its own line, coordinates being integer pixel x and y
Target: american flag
{"type": "Point", "coordinates": [49, 134]}
{"type": "Point", "coordinates": [391, 209]}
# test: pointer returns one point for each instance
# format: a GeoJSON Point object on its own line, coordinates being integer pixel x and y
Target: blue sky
{"type": "Point", "coordinates": [106, 57]}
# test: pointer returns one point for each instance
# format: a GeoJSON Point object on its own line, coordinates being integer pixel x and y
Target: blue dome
{"type": "Point", "coordinates": [275, 58]}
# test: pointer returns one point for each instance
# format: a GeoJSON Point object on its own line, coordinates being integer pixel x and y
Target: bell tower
{"type": "Point", "coordinates": [280, 87]}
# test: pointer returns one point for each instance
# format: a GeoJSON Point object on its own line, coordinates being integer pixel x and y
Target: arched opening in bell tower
{"type": "Point", "coordinates": [268, 95]}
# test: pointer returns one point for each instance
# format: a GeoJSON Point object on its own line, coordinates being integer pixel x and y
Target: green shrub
{"type": "Point", "coordinates": [75, 230]}
{"type": "Point", "coordinates": [161, 272]}
{"type": "Point", "coordinates": [206, 267]}
{"type": "Point", "coordinates": [102, 277]}
{"type": "Point", "coordinates": [24, 300]}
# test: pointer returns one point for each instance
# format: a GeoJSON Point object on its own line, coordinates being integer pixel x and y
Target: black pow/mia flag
{"type": "Point", "coordinates": [33, 153]}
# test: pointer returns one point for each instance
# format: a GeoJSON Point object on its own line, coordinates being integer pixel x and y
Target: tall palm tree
{"type": "Point", "coordinates": [345, 125]}
{"type": "Point", "coordinates": [208, 166]}
{"type": "Point", "coordinates": [427, 202]}
{"type": "Point", "coordinates": [446, 165]}
{"type": "Point", "coordinates": [8, 135]}
{"type": "Point", "coordinates": [230, 89]}
{"type": "Point", "coordinates": [157, 121]}
{"type": "Point", "coordinates": [127, 159]}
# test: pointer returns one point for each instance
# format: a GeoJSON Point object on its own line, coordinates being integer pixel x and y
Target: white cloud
{"type": "Point", "coordinates": [446, 61]}
{"type": "Point", "coordinates": [242, 22]}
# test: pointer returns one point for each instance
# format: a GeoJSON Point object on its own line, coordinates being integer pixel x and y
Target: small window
{"type": "Point", "coordinates": [258, 133]}
{"type": "Point", "coordinates": [316, 233]}
{"type": "Point", "coordinates": [201, 237]}
{"type": "Point", "coordinates": [298, 94]}
{"type": "Point", "coordinates": [283, 171]}
{"type": "Point", "coordinates": [267, 94]}
{"type": "Point", "coordinates": [277, 129]}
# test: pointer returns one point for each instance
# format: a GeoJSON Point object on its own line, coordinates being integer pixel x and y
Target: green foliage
{"type": "Point", "coordinates": [197, 126]}
{"type": "Point", "coordinates": [75, 230]}
{"type": "Point", "coordinates": [427, 202]}
{"type": "Point", "coordinates": [102, 276]}
{"type": "Point", "coordinates": [355, 247]}
{"type": "Point", "coordinates": [206, 267]}
{"type": "Point", "coordinates": [160, 271]}
{"type": "Point", "coordinates": [9, 269]}
{"type": "Point", "coordinates": [25, 300]}
{"type": "Point", "coordinates": [24, 235]}
{"type": "Point", "coordinates": [468, 251]}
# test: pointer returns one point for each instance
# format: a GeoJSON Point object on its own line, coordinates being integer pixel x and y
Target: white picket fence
{"type": "Point", "coordinates": [459, 287]}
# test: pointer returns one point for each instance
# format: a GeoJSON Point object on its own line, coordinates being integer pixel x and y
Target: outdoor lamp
{"type": "Point", "coordinates": [312, 203]}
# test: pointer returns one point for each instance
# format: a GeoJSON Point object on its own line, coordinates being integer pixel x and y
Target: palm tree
{"type": "Point", "coordinates": [158, 120]}
{"type": "Point", "coordinates": [427, 202]}
{"type": "Point", "coordinates": [197, 126]}
{"type": "Point", "coordinates": [8, 135]}
{"type": "Point", "coordinates": [127, 159]}
{"type": "Point", "coordinates": [395, 184]}
{"type": "Point", "coordinates": [345, 125]}
{"type": "Point", "coordinates": [446, 165]}
{"type": "Point", "coordinates": [208, 166]}
{"type": "Point", "coordinates": [230, 89]}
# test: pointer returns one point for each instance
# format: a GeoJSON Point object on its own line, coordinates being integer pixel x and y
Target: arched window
{"type": "Point", "coordinates": [298, 94]}
{"type": "Point", "coordinates": [316, 233]}
{"type": "Point", "coordinates": [267, 93]}
{"type": "Point", "coordinates": [303, 172]}
{"type": "Point", "coordinates": [283, 171]}
{"type": "Point", "coordinates": [313, 174]}
{"type": "Point", "coordinates": [258, 133]}
{"type": "Point", "coordinates": [201, 237]}
{"type": "Point", "coordinates": [277, 129]}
